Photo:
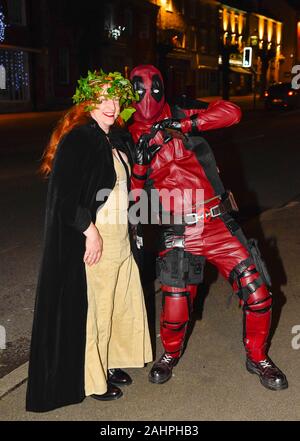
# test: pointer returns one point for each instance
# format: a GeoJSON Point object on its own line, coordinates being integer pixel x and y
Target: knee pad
{"type": "Point", "coordinates": [260, 301]}
{"type": "Point", "coordinates": [251, 287]}
{"type": "Point", "coordinates": [176, 309]}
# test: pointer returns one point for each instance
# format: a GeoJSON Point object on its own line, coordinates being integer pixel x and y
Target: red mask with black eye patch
{"type": "Point", "coordinates": [148, 83]}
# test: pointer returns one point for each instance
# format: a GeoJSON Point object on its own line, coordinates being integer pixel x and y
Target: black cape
{"type": "Point", "coordinates": [83, 165]}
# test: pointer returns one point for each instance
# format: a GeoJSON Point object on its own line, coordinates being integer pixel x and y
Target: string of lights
{"type": "Point", "coordinates": [14, 74]}
{"type": "Point", "coordinates": [2, 26]}
{"type": "Point", "coordinates": [2, 77]}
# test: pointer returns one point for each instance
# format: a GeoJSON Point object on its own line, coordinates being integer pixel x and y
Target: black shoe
{"type": "Point", "coordinates": [113, 393]}
{"type": "Point", "coordinates": [119, 377]}
{"type": "Point", "coordinates": [162, 370]}
{"type": "Point", "coordinates": [269, 374]}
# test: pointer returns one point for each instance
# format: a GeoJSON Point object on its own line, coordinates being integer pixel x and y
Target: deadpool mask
{"type": "Point", "coordinates": [148, 83]}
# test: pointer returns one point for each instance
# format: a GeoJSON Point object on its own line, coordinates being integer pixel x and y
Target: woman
{"type": "Point", "coordinates": [90, 317]}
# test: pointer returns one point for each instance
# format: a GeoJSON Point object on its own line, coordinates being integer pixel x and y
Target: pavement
{"type": "Point", "coordinates": [210, 382]}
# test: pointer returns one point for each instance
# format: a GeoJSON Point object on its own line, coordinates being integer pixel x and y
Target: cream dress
{"type": "Point", "coordinates": [117, 327]}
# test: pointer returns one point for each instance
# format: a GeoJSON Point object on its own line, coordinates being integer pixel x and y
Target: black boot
{"type": "Point", "coordinates": [113, 393]}
{"type": "Point", "coordinates": [162, 370]}
{"type": "Point", "coordinates": [119, 377]}
{"type": "Point", "coordinates": [269, 374]}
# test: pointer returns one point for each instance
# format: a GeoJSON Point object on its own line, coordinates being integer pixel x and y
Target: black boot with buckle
{"type": "Point", "coordinates": [162, 370]}
{"type": "Point", "coordinates": [119, 377]}
{"type": "Point", "coordinates": [269, 374]}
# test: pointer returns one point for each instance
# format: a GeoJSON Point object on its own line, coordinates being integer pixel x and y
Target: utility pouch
{"type": "Point", "coordinates": [172, 268]}
{"type": "Point", "coordinates": [196, 269]}
{"type": "Point", "coordinates": [259, 262]}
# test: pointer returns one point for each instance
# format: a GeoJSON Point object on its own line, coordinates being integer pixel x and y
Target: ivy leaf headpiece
{"type": "Point", "coordinates": [90, 88]}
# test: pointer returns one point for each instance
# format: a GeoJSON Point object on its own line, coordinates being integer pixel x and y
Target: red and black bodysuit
{"type": "Point", "coordinates": [182, 164]}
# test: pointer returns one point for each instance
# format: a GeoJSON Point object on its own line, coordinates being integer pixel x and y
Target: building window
{"type": "Point", "coordinates": [192, 39]}
{"type": "Point", "coordinates": [178, 39]}
{"type": "Point", "coordinates": [14, 76]}
{"type": "Point", "coordinates": [178, 4]}
{"type": "Point", "coordinates": [16, 12]}
{"type": "Point", "coordinates": [128, 19]}
{"type": "Point", "coordinates": [63, 66]}
{"type": "Point", "coordinates": [109, 17]}
{"type": "Point", "coordinates": [203, 40]}
{"type": "Point", "coordinates": [144, 27]}
{"type": "Point", "coordinates": [213, 41]}
{"type": "Point", "coordinates": [208, 14]}
{"type": "Point", "coordinates": [193, 8]}
{"type": "Point", "coordinates": [2, 77]}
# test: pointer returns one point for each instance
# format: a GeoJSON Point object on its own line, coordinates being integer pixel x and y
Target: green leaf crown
{"type": "Point", "coordinates": [90, 89]}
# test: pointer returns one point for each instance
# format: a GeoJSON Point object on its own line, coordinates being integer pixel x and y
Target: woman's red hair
{"type": "Point", "coordinates": [75, 116]}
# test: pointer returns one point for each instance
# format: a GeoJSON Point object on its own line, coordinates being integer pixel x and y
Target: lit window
{"type": "Point", "coordinates": [16, 12]}
{"type": "Point", "coordinates": [63, 65]}
{"type": "Point", "coordinates": [14, 75]}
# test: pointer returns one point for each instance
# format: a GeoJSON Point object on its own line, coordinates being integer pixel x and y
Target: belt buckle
{"type": "Point", "coordinates": [211, 211]}
{"type": "Point", "coordinates": [178, 242]}
{"type": "Point", "coordinates": [206, 215]}
{"type": "Point", "coordinates": [174, 242]}
{"type": "Point", "coordinates": [195, 218]}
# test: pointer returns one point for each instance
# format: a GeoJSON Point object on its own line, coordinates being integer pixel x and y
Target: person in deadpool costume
{"type": "Point", "coordinates": [208, 232]}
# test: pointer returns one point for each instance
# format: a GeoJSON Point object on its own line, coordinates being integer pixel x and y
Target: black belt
{"type": "Point", "coordinates": [226, 205]}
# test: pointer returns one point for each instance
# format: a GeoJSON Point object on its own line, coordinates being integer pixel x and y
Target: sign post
{"type": "Point", "coordinates": [247, 57]}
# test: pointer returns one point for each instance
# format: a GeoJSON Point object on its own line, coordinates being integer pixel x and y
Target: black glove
{"type": "Point", "coordinates": [143, 152]}
{"type": "Point", "coordinates": [185, 125]}
{"type": "Point", "coordinates": [168, 123]}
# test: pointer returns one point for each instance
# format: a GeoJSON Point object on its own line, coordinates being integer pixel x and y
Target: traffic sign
{"type": "Point", "coordinates": [247, 57]}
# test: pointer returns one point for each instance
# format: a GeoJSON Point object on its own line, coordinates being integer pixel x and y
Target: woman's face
{"type": "Point", "coordinates": [106, 111]}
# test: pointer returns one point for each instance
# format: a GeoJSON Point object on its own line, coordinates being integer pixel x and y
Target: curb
{"type": "Point", "coordinates": [14, 379]}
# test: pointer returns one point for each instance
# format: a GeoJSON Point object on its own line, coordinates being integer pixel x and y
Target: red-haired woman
{"type": "Point", "coordinates": [90, 319]}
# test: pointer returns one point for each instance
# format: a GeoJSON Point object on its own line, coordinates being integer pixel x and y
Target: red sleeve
{"type": "Point", "coordinates": [219, 114]}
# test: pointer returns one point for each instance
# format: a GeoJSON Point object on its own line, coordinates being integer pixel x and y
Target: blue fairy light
{"type": "Point", "coordinates": [2, 26]}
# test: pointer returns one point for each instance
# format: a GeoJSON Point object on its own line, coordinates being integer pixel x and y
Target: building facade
{"type": "Point", "coordinates": [16, 55]}
{"type": "Point", "coordinates": [200, 44]}
{"type": "Point", "coordinates": [234, 30]}
{"type": "Point", "coordinates": [187, 46]}
{"type": "Point", "coordinates": [284, 37]}
{"type": "Point", "coordinates": [45, 46]}
{"type": "Point", "coordinates": [197, 44]}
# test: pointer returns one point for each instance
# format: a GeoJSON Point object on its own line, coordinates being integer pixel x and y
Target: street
{"type": "Point", "coordinates": [258, 160]}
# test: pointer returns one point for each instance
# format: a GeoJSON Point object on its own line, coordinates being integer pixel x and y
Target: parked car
{"type": "Point", "coordinates": [282, 95]}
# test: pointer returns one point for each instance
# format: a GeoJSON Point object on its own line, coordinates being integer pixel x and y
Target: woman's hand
{"type": "Point", "coordinates": [93, 245]}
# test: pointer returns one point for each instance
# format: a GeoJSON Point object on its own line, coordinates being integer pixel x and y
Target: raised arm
{"type": "Point", "coordinates": [219, 114]}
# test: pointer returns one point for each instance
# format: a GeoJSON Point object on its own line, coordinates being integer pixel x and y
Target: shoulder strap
{"type": "Point", "coordinates": [177, 112]}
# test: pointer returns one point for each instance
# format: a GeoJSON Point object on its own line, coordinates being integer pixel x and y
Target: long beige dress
{"type": "Point", "coordinates": [117, 327]}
